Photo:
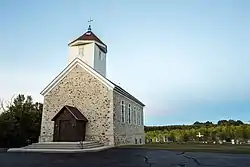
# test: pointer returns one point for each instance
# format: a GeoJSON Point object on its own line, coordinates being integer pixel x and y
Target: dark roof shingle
{"type": "Point", "coordinates": [89, 35]}
{"type": "Point", "coordinates": [125, 93]}
{"type": "Point", "coordinates": [73, 111]}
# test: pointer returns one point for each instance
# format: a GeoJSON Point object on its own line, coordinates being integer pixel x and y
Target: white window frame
{"type": "Point", "coordinates": [123, 111]}
{"type": "Point", "coordinates": [134, 116]}
{"type": "Point", "coordinates": [129, 113]}
{"type": "Point", "coordinates": [138, 116]}
{"type": "Point", "coordinates": [141, 114]}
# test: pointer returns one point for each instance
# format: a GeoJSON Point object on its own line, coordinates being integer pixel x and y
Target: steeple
{"type": "Point", "coordinates": [89, 48]}
{"type": "Point", "coordinates": [90, 36]}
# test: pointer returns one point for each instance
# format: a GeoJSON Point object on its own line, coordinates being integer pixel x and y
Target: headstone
{"type": "Point", "coordinates": [170, 139]}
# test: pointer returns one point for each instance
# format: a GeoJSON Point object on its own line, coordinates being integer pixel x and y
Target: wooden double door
{"type": "Point", "coordinates": [69, 130]}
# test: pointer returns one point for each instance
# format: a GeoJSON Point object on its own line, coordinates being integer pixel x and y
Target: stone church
{"type": "Point", "coordinates": [81, 104]}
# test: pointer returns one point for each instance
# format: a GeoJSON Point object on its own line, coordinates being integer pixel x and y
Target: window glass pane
{"type": "Point", "coordinates": [129, 113]}
{"type": "Point", "coordinates": [122, 111]}
{"type": "Point", "coordinates": [100, 55]}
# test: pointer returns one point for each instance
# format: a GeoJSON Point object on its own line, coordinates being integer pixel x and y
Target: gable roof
{"type": "Point", "coordinates": [70, 67]}
{"type": "Point", "coordinates": [126, 94]}
{"type": "Point", "coordinates": [105, 81]}
{"type": "Point", "coordinates": [73, 111]}
{"type": "Point", "coordinates": [89, 35]}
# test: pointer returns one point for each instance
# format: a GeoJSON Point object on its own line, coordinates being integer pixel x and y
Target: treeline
{"type": "Point", "coordinates": [196, 125]}
{"type": "Point", "coordinates": [224, 130]}
{"type": "Point", "coordinates": [20, 122]}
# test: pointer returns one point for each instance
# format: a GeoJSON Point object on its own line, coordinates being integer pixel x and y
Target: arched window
{"type": "Point", "coordinates": [129, 113]}
{"type": "Point", "coordinates": [138, 117]}
{"type": "Point", "coordinates": [122, 111]}
{"type": "Point", "coordinates": [134, 112]}
{"type": "Point", "coordinates": [80, 50]}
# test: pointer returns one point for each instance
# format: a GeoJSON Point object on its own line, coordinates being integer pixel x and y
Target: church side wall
{"type": "Point", "coordinates": [125, 132]}
{"type": "Point", "coordinates": [83, 91]}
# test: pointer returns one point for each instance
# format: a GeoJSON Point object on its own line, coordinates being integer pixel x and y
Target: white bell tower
{"type": "Point", "coordinates": [90, 49]}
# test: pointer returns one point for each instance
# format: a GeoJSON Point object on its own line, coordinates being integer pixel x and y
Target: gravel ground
{"type": "Point", "coordinates": [129, 157]}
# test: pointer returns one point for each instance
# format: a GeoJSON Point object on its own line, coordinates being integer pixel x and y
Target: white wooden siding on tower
{"type": "Point", "coordinates": [87, 56]}
{"type": "Point", "coordinates": [99, 64]}
{"type": "Point", "coordinates": [90, 55]}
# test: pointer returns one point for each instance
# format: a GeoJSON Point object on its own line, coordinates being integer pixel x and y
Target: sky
{"type": "Point", "coordinates": [186, 60]}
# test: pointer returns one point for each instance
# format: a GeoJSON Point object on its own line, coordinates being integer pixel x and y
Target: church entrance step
{"type": "Point", "coordinates": [64, 145]}
{"type": "Point", "coordinates": [95, 149]}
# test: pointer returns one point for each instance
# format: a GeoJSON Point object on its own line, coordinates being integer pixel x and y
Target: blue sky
{"type": "Point", "coordinates": [186, 60]}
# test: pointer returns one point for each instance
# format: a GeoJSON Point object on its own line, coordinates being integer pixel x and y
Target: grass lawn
{"type": "Point", "coordinates": [191, 147]}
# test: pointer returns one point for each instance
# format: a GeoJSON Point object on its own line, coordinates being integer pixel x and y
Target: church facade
{"type": "Point", "coordinates": [81, 104]}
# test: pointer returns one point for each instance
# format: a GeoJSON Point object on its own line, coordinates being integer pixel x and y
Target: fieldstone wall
{"type": "Point", "coordinates": [126, 133]}
{"type": "Point", "coordinates": [83, 91]}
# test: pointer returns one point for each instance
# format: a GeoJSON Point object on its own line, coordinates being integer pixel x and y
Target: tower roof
{"type": "Point", "coordinates": [89, 35]}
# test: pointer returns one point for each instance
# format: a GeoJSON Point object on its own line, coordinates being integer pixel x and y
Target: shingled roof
{"type": "Point", "coordinates": [73, 111]}
{"type": "Point", "coordinates": [125, 93]}
{"type": "Point", "coordinates": [89, 35]}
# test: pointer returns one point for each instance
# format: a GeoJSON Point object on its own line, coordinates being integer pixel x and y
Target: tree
{"type": "Point", "coordinates": [20, 122]}
{"type": "Point", "coordinates": [239, 122]}
{"type": "Point", "coordinates": [198, 123]}
{"type": "Point", "coordinates": [208, 123]}
{"type": "Point", "coordinates": [185, 137]}
{"type": "Point", "coordinates": [222, 122]}
{"type": "Point", "coordinates": [224, 130]}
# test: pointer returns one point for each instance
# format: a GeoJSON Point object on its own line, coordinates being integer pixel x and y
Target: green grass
{"type": "Point", "coordinates": [224, 148]}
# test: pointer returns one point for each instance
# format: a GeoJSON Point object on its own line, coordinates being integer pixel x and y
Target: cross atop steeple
{"type": "Point", "coordinates": [89, 21]}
